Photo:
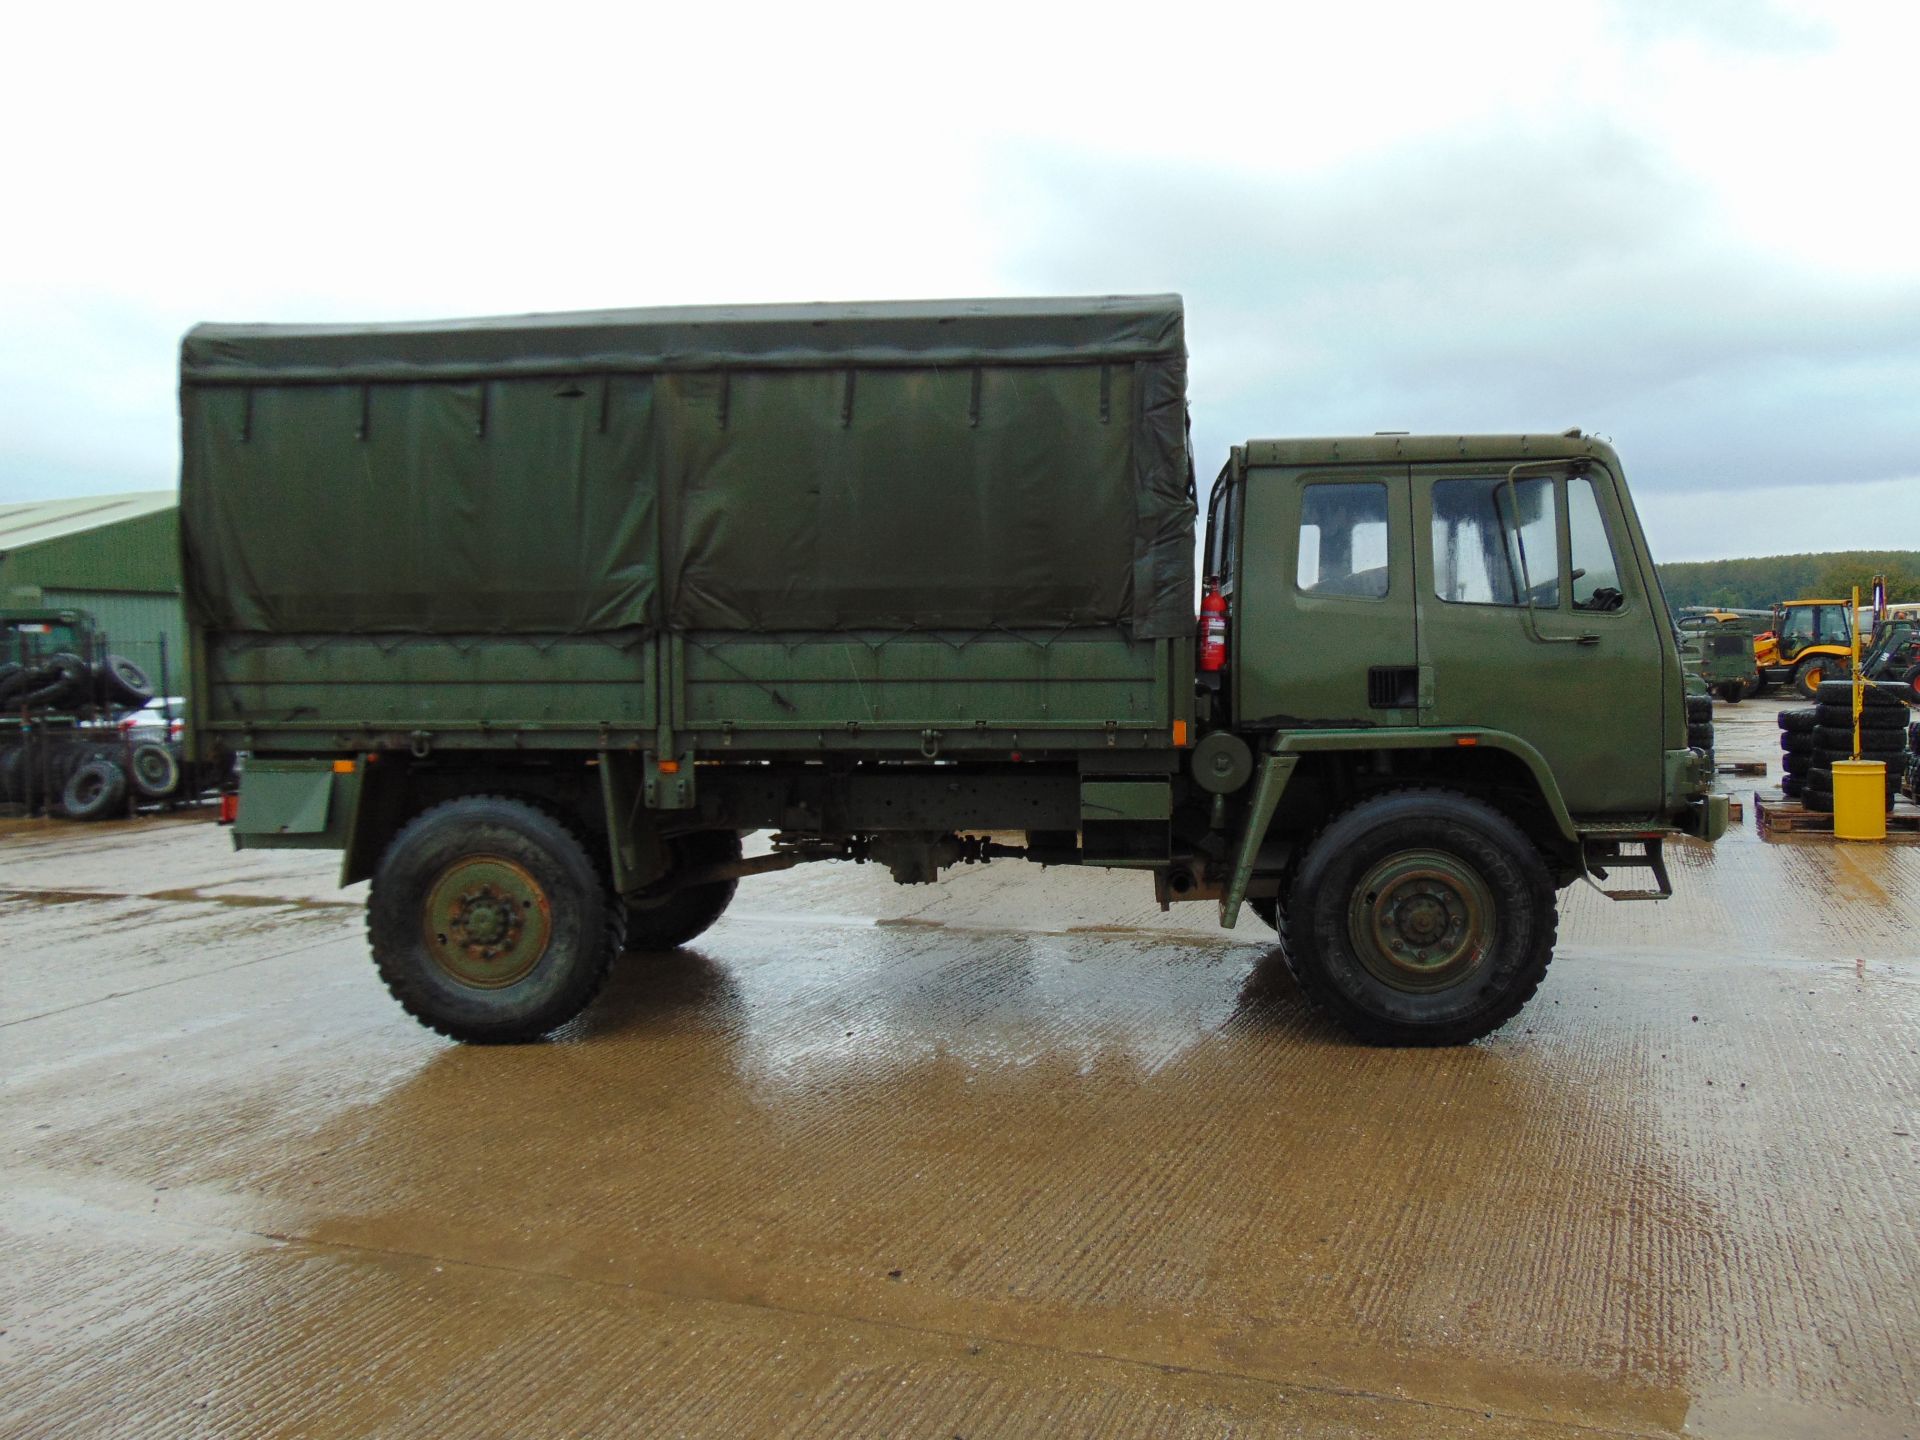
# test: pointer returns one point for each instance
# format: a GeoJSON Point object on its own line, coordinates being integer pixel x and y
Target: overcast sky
{"type": "Point", "coordinates": [1696, 236]}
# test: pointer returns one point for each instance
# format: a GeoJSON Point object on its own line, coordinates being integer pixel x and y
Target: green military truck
{"type": "Point", "coordinates": [535, 618]}
{"type": "Point", "coordinates": [1717, 645]}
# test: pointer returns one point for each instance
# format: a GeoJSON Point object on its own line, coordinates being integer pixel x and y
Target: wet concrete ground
{"type": "Point", "coordinates": [1012, 1156]}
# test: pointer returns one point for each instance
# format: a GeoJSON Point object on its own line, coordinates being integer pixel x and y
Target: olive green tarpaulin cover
{"type": "Point", "coordinates": [927, 465]}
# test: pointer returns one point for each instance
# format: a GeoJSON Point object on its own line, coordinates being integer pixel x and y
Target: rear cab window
{"type": "Point", "coordinates": [1343, 540]}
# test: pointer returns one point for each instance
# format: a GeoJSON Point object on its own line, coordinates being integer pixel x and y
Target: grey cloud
{"type": "Point", "coordinates": [1499, 281]}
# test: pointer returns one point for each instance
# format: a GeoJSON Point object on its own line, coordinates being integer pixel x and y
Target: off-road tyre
{"type": "Point", "coordinates": [1796, 720]}
{"type": "Point", "coordinates": [95, 790]}
{"type": "Point", "coordinates": [1910, 683]}
{"type": "Point", "coordinates": [121, 682]}
{"type": "Point", "coordinates": [154, 770]}
{"type": "Point", "coordinates": [1819, 796]}
{"type": "Point", "coordinates": [13, 678]}
{"type": "Point", "coordinates": [1796, 742]}
{"type": "Point", "coordinates": [1873, 742]}
{"type": "Point", "coordinates": [1790, 786]}
{"type": "Point", "coordinates": [1878, 714]}
{"type": "Point", "coordinates": [1443, 855]}
{"type": "Point", "coordinates": [13, 765]}
{"type": "Point", "coordinates": [1820, 777]}
{"type": "Point", "coordinates": [688, 913]}
{"type": "Point", "coordinates": [1796, 762]}
{"type": "Point", "coordinates": [1876, 695]}
{"type": "Point", "coordinates": [1700, 737]}
{"type": "Point", "coordinates": [59, 682]}
{"type": "Point", "coordinates": [445, 891]}
{"type": "Point", "coordinates": [1699, 707]}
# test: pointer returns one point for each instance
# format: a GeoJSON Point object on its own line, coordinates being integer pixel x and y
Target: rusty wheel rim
{"type": "Point", "coordinates": [486, 922]}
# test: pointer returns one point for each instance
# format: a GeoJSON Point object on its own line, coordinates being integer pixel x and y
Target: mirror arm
{"type": "Point", "coordinates": [1548, 467]}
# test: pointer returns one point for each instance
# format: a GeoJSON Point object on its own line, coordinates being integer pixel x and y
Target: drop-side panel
{"type": "Point", "coordinates": [996, 690]}
{"type": "Point", "coordinates": [301, 692]}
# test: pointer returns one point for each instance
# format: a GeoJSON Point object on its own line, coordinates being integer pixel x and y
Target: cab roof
{"type": "Point", "coordinates": [1427, 449]}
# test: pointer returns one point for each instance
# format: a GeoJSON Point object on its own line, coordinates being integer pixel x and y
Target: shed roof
{"type": "Point", "coordinates": [26, 523]}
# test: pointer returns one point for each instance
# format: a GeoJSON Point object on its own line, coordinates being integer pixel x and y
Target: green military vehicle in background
{"type": "Point", "coordinates": [534, 619]}
{"type": "Point", "coordinates": [1718, 647]}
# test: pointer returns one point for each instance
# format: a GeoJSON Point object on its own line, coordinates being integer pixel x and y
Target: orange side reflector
{"type": "Point", "coordinates": [1466, 739]}
{"type": "Point", "coordinates": [669, 767]}
{"type": "Point", "coordinates": [343, 767]}
{"type": "Point", "coordinates": [1180, 734]}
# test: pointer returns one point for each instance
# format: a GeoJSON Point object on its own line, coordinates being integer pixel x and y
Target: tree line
{"type": "Point", "coordinates": [1756, 582]}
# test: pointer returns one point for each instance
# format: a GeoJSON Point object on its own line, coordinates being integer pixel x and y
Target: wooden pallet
{"type": "Point", "coordinates": [1774, 813]}
{"type": "Point", "coordinates": [1742, 767]}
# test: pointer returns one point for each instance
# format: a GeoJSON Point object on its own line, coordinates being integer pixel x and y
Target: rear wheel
{"type": "Point", "coordinates": [1421, 918]}
{"type": "Point", "coordinates": [686, 913]}
{"type": "Point", "coordinates": [490, 922]}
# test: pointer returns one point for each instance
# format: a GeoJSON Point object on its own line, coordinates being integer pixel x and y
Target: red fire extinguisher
{"type": "Point", "coordinates": [1213, 628]}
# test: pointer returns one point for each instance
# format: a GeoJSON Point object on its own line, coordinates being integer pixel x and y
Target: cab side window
{"type": "Point", "coordinates": [1343, 540]}
{"type": "Point", "coordinates": [1596, 574]}
{"type": "Point", "coordinates": [1484, 553]}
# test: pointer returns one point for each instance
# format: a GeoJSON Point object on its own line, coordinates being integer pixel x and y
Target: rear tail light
{"type": "Point", "coordinates": [229, 807]}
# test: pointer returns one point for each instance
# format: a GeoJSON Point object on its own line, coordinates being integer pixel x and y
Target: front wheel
{"type": "Point", "coordinates": [1421, 917]}
{"type": "Point", "coordinates": [490, 922]}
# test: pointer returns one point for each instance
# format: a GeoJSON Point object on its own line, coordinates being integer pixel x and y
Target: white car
{"type": "Point", "coordinates": [161, 718]}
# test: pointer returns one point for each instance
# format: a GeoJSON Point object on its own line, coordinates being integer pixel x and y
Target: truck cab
{"type": "Point", "coordinates": [1455, 663]}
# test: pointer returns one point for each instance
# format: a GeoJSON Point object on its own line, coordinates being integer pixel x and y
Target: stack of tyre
{"type": "Point", "coordinates": [1814, 736]}
{"type": "Point", "coordinates": [1700, 724]}
{"type": "Point", "coordinates": [87, 775]}
{"type": "Point", "coordinates": [82, 772]}
{"type": "Point", "coordinates": [65, 682]}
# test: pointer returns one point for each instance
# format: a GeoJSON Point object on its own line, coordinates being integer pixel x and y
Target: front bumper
{"type": "Point", "coordinates": [1706, 817]}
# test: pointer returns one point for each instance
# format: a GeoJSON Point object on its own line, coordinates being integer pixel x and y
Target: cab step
{"type": "Point", "coordinates": [1604, 854]}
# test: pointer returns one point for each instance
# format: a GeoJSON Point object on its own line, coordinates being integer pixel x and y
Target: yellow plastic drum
{"type": "Point", "coordinates": [1859, 800]}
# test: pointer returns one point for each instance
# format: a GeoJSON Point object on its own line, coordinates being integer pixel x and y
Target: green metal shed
{"type": "Point", "coordinates": [115, 556]}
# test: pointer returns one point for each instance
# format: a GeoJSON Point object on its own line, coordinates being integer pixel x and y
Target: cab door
{"type": "Point", "coordinates": [1323, 607]}
{"type": "Point", "coordinates": [1531, 623]}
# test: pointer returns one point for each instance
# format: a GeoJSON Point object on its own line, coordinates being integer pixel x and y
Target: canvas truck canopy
{"type": "Point", "coordinates": [915, 465]}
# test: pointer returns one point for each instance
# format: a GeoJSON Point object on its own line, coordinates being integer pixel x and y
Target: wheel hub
{"type": "Point", "coordinates": [1420, 920]}
{"type": "Point", "coordinates": [487, 921]}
